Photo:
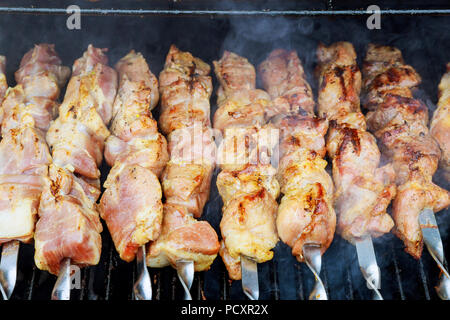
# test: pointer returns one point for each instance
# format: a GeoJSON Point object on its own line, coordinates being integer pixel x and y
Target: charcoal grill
{"type": "Point", "coordinates": [252, 29]}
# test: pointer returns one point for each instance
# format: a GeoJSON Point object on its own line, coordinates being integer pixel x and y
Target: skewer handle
{"type": "Point", "coordinates": [8, 268]}
{"type": "Point", "coordinates": [368, 265]}
{"type": "Point", "coordinates": [142, 288]}
{"type": "Point", "coordinates": [433, 241]}
{"type": "Point", "coordinates": [249, 270]}
{"type": "Point", "coordinates": [313, 259]}
{"type": "Point", "coordinates": [61, 290]}
{"type": "Point", "coordinates": [185, 270]}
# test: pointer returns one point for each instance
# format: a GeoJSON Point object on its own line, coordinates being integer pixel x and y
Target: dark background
{"type": "Point", "coordinates": [425, 43]}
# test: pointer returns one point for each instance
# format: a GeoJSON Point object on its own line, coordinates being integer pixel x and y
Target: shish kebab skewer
{"type": "Point", "coordinates": [306, 219]}
{"type": "Point", "coordinates": [400, 122]}
{"type": "Point", "coordinates": [185, 243]}
{"type": "Point", "coordinates": [363, 189]}
{"type": "Point", "coordinates": [68, 229]}
{"type": "Point", "coordinates": [131, 203]}
{"type": "Point", "coordinates": [26, 113]}
{"type": "Point", "coordinates": [247, 182]}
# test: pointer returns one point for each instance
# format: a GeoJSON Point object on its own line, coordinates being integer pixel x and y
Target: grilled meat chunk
{"type": "Point", "coordinates": [185, 88]}
{"type": "Point", "coordinates": [183, 238]}
{"type": "Point", "coordinates": [69, 225]}
{"type": "Point", "coordinates": [284, 79]}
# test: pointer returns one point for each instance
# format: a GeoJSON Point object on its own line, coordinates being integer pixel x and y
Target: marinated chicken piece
{"type": "Point", "coordinates": [363, 189]}
{"type": "Point", "coordinates": [305, 214]}
{"type": "Point", "coordinates": [243, 146]}
{"type": "Point", "coordinates": [248, 225]}
{"type": "Point", "coordinates": [3, 83]}
{"type": "Point", "coordinates": [399, 121]}
{"type": "Point", "coordinates": [187, 178]}
{"type": "Point", "coordinates": [440, 124]}
{"type": "Point", "coordinates": [24, 159]}
{"type": "Point", "coordinates": [239, 103]}
{"type": "Point", "coordinates": [132, 208]}
{"type": "Point", "coordinates": [185, 89]}
{"type": "Point", "coordinates": [233, 184]}
{"type": "Point", "coordinates": [183, 238]}
{"type": "Point", "coordinates": [69, 223]}
{"type": "Point", "coordinates": [24, 154]}
{"type": "Point", "coordinates": [247, 182]}
{"type": "Point", "coordinates": [131, 204]}
{"type": "Point", "coordinates": [284, 79]}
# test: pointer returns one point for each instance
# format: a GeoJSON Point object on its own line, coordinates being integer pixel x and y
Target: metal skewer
{"type": "Point", "coordinates": [368, 265]}
{"type": "Point", "coordinates": [8, 268]}
{"type": "Point", "coordinates": [185, 270]}
{"type": "Point", "coordinates": [61, 290]}
{"type": "Point", "coordinates": [142, 288]}
{"type": "Point", "coordinates": [433, 241]}
{"type": "Point", "coordinates": [249, 273]}
{"type": "Point", "coordinates": [313, 259]}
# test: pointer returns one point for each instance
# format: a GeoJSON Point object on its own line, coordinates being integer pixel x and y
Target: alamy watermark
{"type": "Point", "coordinates": [74, 20]}
{"type": "Point", "coordinates": [75, 277]}
{"type": "Point", "coordinates": [374, 20]}
{"type": "Point", "coordinates": [238, 146]}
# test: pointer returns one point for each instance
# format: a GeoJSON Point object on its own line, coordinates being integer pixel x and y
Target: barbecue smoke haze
{"type": "Point", "coordinates": [256, 39]}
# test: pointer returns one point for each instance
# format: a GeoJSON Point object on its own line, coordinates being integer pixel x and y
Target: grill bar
{"type": "Point", "coordinates": [223, 13]}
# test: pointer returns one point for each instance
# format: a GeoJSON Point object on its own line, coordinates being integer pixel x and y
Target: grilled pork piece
{"type": "Point", "coordinates": [363, 189]}
{"type": "Point", "coordinates": [40, 79]}
{"type": "Point", "coordinates": [400, 122]}
{"type": "Point", "coordinates": [185, 88]}
{"type": "Point", "coordinates": [24, 154]}
{"type": "Point", "coordinates": [247, 182]}
{"type": "Point", "coordinates": [440, 124]}
{"type": "Point", "coordinates": [305, 214]}
{"type": "Point", "coordinates": [69, 224]}
{"type": "Point", "coordinates": [131, 204]}
{"type": "Point", "coordinates": [3, 83]}
{"type": "Point", "coordinates": [183, 238]}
